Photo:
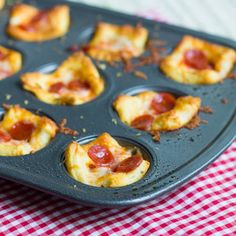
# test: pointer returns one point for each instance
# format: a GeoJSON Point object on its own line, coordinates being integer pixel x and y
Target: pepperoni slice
{"type": "Point", "coordinates": [22, 130]}
{"type": "Point", "coordinates": [143, 122]}
{"type": "Point", "coordinates": [196, 59]}
{"type": "Point", "coordinates": [57, 87]}
{"type": "Point", "coordinates": [76, 85]}
{"type": "Point", "coordinates": [129, 164]}
{"type": "Point", "coordinates": [101, 155]}
{"type": "Point", "coordinates": [40, 18]}
{"type": "Point", "coordinates": [4, 136]}
{"type": "Point", "coordinates": [162, 102]}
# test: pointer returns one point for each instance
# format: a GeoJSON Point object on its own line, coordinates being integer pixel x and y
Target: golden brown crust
{"type": "Point", "coordinates": [222, 57]}
{"type": "Point", "coordinates": [58, 21]}
{"type": "Point", "coordinates": [2, 3]}
{"type": "Point", "coordinates": [77, 163]}
{"type": "Point", "coordinates": [113, 42]}
{"type": "Point", "coordinates": [76, 67]}
{"type": "Point", "coordinates": [131, 107]}
{"type": "Point", "coordinates": [10, 63]}
{"type": "Point", "coordinates": [182, 113]}
{"type": "Point", "coordinates": [45, 130]}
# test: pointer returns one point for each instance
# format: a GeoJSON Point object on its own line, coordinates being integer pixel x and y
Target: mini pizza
{"type": "Point", "coordinates": [2, 2]}
{"type": "Point", "coordinates": [10, 62]}
{"type": "Point", "coordinates": [156, 111]}
{"type": "Point", "coordinates": [105, 163]}
{"type": "Point", "coordinates": [75, 81]}
{"type": "Point", "coordinates": [22, 132]}
{"type": "Point", "coordinates": [114, 42]}
{"type": "Point", "coordinates": [28, 23]}
{"type": "Point", "coordinates": [195, 61]}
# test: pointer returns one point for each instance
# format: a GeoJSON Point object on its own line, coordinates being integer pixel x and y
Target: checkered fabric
{"type": "Point", "coordinates": [205, 205]}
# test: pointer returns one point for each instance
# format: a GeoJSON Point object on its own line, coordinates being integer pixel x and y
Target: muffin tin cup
{"type": "Point", "coordinates": [179, 155]}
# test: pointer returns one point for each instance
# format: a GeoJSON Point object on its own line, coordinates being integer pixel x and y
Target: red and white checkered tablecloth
{"type": "Point", "coordinates": [205, 205]}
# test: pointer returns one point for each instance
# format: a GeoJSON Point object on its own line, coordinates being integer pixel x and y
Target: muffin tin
{"type": "Point", "coordinates": [179, 156]}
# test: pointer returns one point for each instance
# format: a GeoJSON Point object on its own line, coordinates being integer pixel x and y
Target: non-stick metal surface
{"type": "Point", "coordinates": [179, 156]}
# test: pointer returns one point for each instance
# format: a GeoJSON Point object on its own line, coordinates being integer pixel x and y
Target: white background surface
{"type": "Point", "coordinates": [212, 16]}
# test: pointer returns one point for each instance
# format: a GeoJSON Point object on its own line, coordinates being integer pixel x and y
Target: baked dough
{"type": "Point", "coordinates": [28, 23]}
{"type": "Point", "coordinates": [2, 2]}
{"type": "Point", "coordinates": [113, 42]}
{"type": "Point", "coordinates": [78, 164]}
{"type": "Point", "coordinates": [130, 107]}
{"type": "Point", "coordinates": [77, 67]}
{"type": "Point", "coordinates": [221, 58]}
{"type": "Point", "coordinates": [10, 62]}
{"type": "Point", "coordinates": [44, 130]}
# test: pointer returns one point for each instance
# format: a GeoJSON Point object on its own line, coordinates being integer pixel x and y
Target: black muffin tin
{"type": "Point", "coordinates": [179, 156]}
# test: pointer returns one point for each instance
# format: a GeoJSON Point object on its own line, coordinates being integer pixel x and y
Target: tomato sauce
{"type": "Point", "coordinates": [57, 87]}
{"type": "Point", "coordinates": [40, 18]}
{"type": "Point", "coordinates": [4, 136]}
{"type": "Point", "coordinates": [74, 85]}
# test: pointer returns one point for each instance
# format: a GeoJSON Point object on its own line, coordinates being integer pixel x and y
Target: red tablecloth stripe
{"type": "Point", "coordinates": [206, 205]}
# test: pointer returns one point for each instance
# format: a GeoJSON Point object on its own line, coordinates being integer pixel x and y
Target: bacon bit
{"type": "Point", "coordinates": [74, 48]}
{"type": "Point", "coordinates": [128, 65]}
{"type": "Point", "coordinates": [112, 63]}
{"type": "Point", "coordinates": [206, 109]}
{"type": "Point", "coordinates": [140, 74]}
{"type": "Point", "coordinates": [157, 42]}
{"type": "Point", "coordinates": [66, 130]}
{"type": "Point", "coordinates": [86, 47]}
{"type": "Point", "coordinates": [224, 101]}
{"type": "Point", "coordinates": [194, 123]}
{"type": "Point", "coordinates": [154, 56]}
{"type": "Point", "coordinates": [7, 106]}
{"type": "Point", "coordinates": [233, 75]}
{"type": "Point", "coordinates": [156, 135]}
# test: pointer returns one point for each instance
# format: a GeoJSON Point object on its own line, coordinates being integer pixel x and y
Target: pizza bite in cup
{"type": "Point", "coordinates": [114, 42]}
{"type": "Point", "coordinates": [10, 62]}
{"type": "Point", "coordinates": [74, 82]}
{"type": "Point", "coordinates": [103, 162]}
{"type": "Point", "coordinates": [156, 111]}
{"type": "Point", "coordinates": [196, 61]}
{"type": "Point", "coordinates": [29, 23]}
{"type": "Point", "coordinates": [23, 132]}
